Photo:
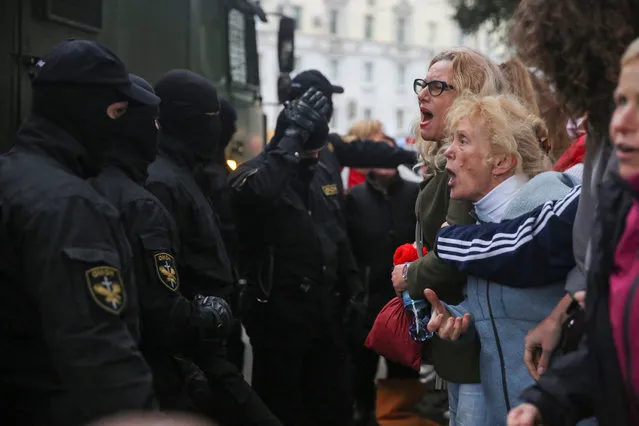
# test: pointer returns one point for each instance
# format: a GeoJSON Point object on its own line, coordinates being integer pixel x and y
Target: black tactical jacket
{"type": "Point", "coordinates": [69, 314]}
{"type": "Point", "coordinates": [305, 242]}
{"type": "Point", "coordinates": [180, 183]}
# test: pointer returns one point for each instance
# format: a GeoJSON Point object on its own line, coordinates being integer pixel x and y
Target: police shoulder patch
{"type": "Point", "coordinates": [166, 270]}
{"type": "Point", "coordinates": [105, 286]}
{"type": "Point", "coordinates": [331, 147]}
{"type": "Point", "coordinates": [329, 190]}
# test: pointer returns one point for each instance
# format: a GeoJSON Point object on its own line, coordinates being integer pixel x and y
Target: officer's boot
{"type": "Point", "coordinates": [396, 401]}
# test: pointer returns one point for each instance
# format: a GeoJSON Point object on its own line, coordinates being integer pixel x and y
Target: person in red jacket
{"type": "Point", "coordinates": [573, 158]}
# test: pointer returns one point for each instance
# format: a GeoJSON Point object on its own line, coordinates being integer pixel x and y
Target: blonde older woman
{"type": "Point", "coordinates": [450, 73]}
{"type": "Point", "coordinates": [494, 161]}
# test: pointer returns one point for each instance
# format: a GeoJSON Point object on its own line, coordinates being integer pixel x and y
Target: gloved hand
{"type": "Point", "coordinates": [307, 114]}
{"type": "Point", "coordinates": [215, 315]}
{"type": "Point", "coordinates": [354, 322]}
{"type": "Point", "coordinates": [356, 306]}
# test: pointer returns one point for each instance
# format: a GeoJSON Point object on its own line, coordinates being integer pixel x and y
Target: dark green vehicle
{"type": "Point", "coordinates": [215, 38]}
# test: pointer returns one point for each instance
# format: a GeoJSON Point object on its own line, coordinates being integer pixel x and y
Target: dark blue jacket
{"type": "Point", "coordinates": [532, 249]}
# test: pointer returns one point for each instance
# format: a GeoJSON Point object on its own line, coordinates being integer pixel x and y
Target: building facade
{"type": "Point", "coordinates": [373, 48]}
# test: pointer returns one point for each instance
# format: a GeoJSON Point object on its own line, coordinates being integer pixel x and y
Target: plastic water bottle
{"type": "Point", "coordinates": [419, 312]}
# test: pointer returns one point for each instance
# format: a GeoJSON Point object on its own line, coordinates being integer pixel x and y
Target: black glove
{"type": "Point", "coordinates": [215, 316]}
{"type": "Point", "coordinates": [355, 308]}
{"type": "Point", "coordinates": [354, 319]}
{"type": "Point", "coordinates": [308, 113]}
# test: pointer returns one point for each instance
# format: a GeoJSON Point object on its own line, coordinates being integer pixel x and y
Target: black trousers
{"type": "Point", "coordinates": [235, 346]}
{"type": "Point", "coordinates": [210, 385]}
{"type": "Point", "coordinates": [301, 366]}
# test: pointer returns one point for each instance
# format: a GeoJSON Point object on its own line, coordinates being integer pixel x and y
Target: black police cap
{"type": "Point", "coordinates": [312, 78]}
{"type": "Point", "coordinates": [88, 62]}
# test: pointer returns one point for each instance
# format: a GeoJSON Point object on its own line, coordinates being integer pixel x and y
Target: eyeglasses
{"type": "Point", "coordinates": [435, 87]}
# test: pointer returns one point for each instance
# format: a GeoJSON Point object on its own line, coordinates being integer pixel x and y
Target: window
{"type": "Point", "coordinates": [237, 46]}
{"type": "Point", "coordinates": [334, 69]}
{"type": "Point", "coordinates": [333, 21]}
{"type": "Point", "coordinates": [432, 32]}
{"type": "Point", "coordinates": [401, 75]}
{"type": "Point", "coordinates": [352, 109]}
{"type": "Point", "coordinates": [401, 30]}
{"type": "Point", "coordinates": [461, 37]}
{"type": "Point", "coordinates": [368, 27]}
{"type": "Point", "coordinates": [297, 11]}
{"type": "Point", "coordinates": [368, 72]}
{"type": "Point", "coordinates": [298, 62]}
{"type": "Point", "coordinates": [368, 114]}
{"type": "Point", "coordinates": [399, 117]}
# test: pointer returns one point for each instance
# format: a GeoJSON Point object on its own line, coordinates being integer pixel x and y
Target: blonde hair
{"type": "Point", "coordinates": [631, 54]}
{"type": "Point", "coordinates": [473, 73]}
{"type": "Point", "coordinates": [365, 129]}
{"type": "Point", "coordinates": [520, 83]}
{"type": "Point", "coordinates": [511, 128]}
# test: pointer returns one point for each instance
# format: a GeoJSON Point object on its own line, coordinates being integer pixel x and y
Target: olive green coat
{"type": "Point", "coordinates": [454, 361]}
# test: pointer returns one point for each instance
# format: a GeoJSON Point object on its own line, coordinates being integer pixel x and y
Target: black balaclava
{"type": "Point", "coordinates": [80, 110]}
{"type": "Point", "coordinates": [307, 168]}
{"type": "Point", "coordinates": [135, 142]}
{"type": "Point", "coordinates": [187, 98]}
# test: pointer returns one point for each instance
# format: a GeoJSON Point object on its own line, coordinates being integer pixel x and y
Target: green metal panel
{"type": "Point", "coordinates": [208, 29]}
{"type": "Point", "coordinates": [8, 71]}
{"type": "Point", "coordinates": [151, 37]}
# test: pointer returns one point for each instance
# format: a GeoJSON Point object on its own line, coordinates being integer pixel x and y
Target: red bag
{"type": "Point", "coordinates": [390, 336]}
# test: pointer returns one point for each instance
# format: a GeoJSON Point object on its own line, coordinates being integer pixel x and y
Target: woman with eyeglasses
{"type": "Point", "coordinates": [450, 74]}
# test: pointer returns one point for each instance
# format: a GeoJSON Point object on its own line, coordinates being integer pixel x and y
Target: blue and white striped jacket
{"type": "Point", "coordinates": [527, 251]}
{"type": "Point", "coordinates": [517, 271]}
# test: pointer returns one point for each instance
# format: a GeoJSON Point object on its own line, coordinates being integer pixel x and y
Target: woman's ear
{"type": "Point", "coordinates": [503, 164]}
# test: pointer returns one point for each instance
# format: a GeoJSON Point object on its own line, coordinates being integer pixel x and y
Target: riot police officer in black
{"type": "Point", "coordinates": [69, 310]}
{"type": "Point", "coordinates": [189, 131]}
{"type": "Point", "coordinates": [173, 326]}
{"type": "Point", "coordinates": [300, 270]}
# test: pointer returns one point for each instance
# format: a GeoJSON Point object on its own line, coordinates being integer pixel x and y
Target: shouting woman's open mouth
{"type": "Point", "coordinates": [452, 177]}
{"type": "Point", "coordinates": [427, 117]}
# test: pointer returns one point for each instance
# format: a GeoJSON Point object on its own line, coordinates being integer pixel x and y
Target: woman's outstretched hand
{"type": "Point", "coordinates": [524, 415]}
{"type": "Point", "coordinates": [442, 322]}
